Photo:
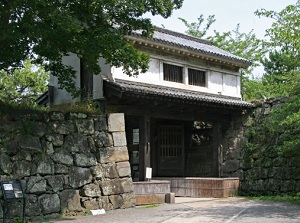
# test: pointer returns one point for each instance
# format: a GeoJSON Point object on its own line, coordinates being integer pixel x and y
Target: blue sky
{"type": "Point", "coordinates": [228, 14]}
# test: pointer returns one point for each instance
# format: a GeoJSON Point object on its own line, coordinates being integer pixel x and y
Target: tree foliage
{"type": "Point", "coordinates": [245, 45]}
{"type": "Point", "coordinates": [194, 28]}
{"type": "Point", "coordinates": [47, 30]}
{"type": "Point", "coordinates": [23, 85]}
{"type": "Point", "coordinates": [283, 63]}
{"type": "Point", "coordinates": [282, 127]}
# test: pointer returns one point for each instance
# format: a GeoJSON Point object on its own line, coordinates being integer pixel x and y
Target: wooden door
{"type": "Point", "coordinates": [171, 150]}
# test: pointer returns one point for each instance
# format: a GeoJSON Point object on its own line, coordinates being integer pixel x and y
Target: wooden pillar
{"type": "Point", "coordinates": [217, 145]}
{"type": "Point", "coordinates": [144, 149]}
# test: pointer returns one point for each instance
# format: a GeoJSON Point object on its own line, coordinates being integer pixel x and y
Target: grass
{"type": "Point", "coordinates": [151, 206]}
{"type": "Point", "coordinates": [295, 199]}
{"type": "Point", "coordinates": [87, 106]}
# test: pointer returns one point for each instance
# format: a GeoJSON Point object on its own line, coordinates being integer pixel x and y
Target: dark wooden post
{"type": "Point", "coordinates": [86, 80]}
{"type": "Point", "coordinates": [217, 140]}
{"type": "Point", "coordinates": [144, 146]}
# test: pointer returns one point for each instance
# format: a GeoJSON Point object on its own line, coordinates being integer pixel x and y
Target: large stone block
{"type": "Point", "coordinates": [98, 171]}
{"type": "Point", "coordinates": [119, 139]}
{"type": "Point", "coordinates": [101, 123]}
{"type": "Point", "coordinates": [105, 203]}
{"type": "Point", "coordinates": [116, 122]}
{"type": "Point", "coordinates": [22, 155]}
{"type": "Point", "coordinates": [70, 201]}
{"type": "Point", "coordinates": [110, 187]}
{"type": "Point", "coordinates": [128, 200]}
{"type": "Point", "coordinates": [77, 115]}
{"type": "Point", "coordinates": [56, 116]}
{"type": "Point", "coordinates": [110, 171]}
{"type": "Point", "coordinates": [103, 139]}
{"type": "Point", "coordinates": [90, 203]}
{"type": "Point", "coordinates": [61, 169]}
{"type": "Point", "coordinates": [22, 169]}
{"type": "Point", "coordinates": [56, 139]}
{"type": "Point", "coordinates": [50, 203]}
{"type": "Point", "coordinates": [123, 169]}
{"type": "Point", "coordinates": [231, 166]}
{"type": "Point", "coordinates": [76, 143]}
{"type": "Point", "coordinates": [32, 205]}
{"type": "Point", "coordinates": [62, 127]}
{"type": "Point", "coordinates": [85, 159]}
{"type": "Point", "coordinates": [62, 156]}
{"type": "Point", "coordinates": [45, 167]}
{"type": "Point", "coordinates": [55, 182]}
{"type": "Point", "coordinates": [5, 163]}
{"type": "Point", "coordinates": [85, 127]}
{"type": "Point", "coordinates": [116, 200]}
{"type": "Point", "coordinates": [47, 146]}
{"type": "Point", "coordinates": [30, 143]}
{"type": "Point", "coordinates": [79, 177]}
{"type": "Point", "coordinates": [36, 185]}
{"type": "Point", "coordinates": [126, 185]}
{"type": "Point", "coordinates": [105, 171]}
{"type": "Point", "coordinates": [12, 147]}
{"type": "Point", "coordinates": [91, 144]}
{"type": "Point", "coordinates": [113, 154]}
{"type": "Point", "coordinates": [91, 190]}
{"type": "Point", "coordinates": [38, 129]}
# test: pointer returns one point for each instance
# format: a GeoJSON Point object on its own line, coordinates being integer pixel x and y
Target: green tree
{"type": "Point", "coordinates": [47, 30]}
{"type": "Point", "coordinates": [277, 63]}
{"type": "Point", "coordinates": [245, 45]}
{"type": "Point", "coordinates": [283, 61]}
{"type": "Point", "coordinates": [282, 127]}
{"type": "Point", "coordinates": [23, 85]}
{"type": "Point", "coordinates": [194, 28]}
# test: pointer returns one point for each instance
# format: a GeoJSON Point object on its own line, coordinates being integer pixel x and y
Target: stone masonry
{"type": "Point", "coordinates": [68, 163]}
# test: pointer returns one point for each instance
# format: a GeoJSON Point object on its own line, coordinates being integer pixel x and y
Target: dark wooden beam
{"type": "Point", "coordinates": [217, 146]}
{"type": "Point", "coordinates": [187, 114]}
{"type": "Point", "coordinates": [144, 149]}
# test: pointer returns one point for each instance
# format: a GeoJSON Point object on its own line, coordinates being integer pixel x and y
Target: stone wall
{"type": "Point", "coordinates": [234, 137]}
{"type": "Point", "coordinates": [264, 171]}
{"type": "Point", "coordinates": [68, 163]}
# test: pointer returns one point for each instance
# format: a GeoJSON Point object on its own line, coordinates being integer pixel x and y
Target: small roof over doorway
{"type": "Point", "coordinates": [123, 88]}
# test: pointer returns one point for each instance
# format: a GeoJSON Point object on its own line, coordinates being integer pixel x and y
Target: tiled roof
{"type": "Point", "coordinates": [146, 90]}
{"type": "Point", "coordinates": [192, 43]}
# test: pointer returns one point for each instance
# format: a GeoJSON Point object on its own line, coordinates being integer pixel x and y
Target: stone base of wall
{"type": "Point", "coordinates": [203, 187]}
{"type": "Point", "coordinates": [151, 192]}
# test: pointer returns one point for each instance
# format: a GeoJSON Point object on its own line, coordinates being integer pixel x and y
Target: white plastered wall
{"type": "Point", "coordinates": [62, 96]}
{"type": "Point", "coordinates": [219, 82]}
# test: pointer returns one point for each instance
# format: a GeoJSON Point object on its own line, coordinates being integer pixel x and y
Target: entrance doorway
{"type": "Point", "coordinates": [171, 150]}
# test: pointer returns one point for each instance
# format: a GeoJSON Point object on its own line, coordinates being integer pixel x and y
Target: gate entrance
{"type": "Point", "coordinates": [171, 150]}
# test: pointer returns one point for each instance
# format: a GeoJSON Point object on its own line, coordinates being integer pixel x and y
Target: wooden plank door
{"type": "Point", "coordinates": [171, 150]}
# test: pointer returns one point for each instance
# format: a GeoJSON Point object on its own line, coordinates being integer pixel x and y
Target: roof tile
{"type": "Point", "coordinates": [192, 43]}
{"type": "Point", "coordinates": [175, 93]}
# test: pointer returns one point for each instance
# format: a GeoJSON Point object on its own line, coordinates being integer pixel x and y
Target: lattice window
{"type": "Point", "coordinates": [171, 141]}
{"type": "Point", "coordinates": [196, 77]}
{"type": "Point", "coordinates": [173, 73]}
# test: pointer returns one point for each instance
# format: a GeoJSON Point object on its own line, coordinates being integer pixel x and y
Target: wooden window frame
{"type": "Point", "coordinates": [173, 73]}
{"type": "Point", "coordinates": [196, 77]}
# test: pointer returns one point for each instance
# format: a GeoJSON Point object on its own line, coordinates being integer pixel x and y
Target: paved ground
{"type": "Point", "coordinates": [192, 210]}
